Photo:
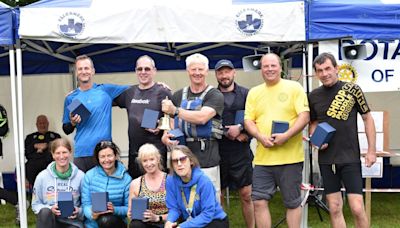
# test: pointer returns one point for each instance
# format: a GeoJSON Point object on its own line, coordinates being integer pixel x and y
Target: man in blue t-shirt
{"type": "Point", "coordinates": [97, 98]}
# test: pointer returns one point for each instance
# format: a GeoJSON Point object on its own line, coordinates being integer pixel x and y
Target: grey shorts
{"type": "Point", "coordinates": [266, 179]}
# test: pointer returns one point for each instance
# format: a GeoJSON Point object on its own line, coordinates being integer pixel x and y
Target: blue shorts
{"type": "Point", "coordinates": [288, 177]}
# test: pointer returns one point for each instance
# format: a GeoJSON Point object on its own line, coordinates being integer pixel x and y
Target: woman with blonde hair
{"type": "Point", "coordinates": [150, 185]}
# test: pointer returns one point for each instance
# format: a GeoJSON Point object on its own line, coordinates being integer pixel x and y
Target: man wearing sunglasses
{"type": "Point", "coordinates": [197, 109]}
{"type": "Point", "coordinates": [146, 95]}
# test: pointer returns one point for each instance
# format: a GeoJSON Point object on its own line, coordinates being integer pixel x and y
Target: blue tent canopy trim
{"type": "Point", "coordinates": [372, 19]}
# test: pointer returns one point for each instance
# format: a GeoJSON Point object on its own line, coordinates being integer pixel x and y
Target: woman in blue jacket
{"type": "Point", "coordinates": [191, 194]}
{"type": "Point", "coordinates": [109, 175]}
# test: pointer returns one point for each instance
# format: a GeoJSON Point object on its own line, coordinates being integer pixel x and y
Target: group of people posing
{"type": "Point", "coordinates": [214, 152]}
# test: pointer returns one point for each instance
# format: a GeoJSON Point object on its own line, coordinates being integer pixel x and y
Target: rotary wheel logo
{"type": "Point", "coordinates": [249, 21]}
{"type": "Point", "coordinates": [71, 24]}
{"type": "Point", "coordinates": [347, 73]}
{"type": "Point", "coordinates": [282, 97]}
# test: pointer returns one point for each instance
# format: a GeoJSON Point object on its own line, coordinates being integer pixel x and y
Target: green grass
{"type": "Point", "coordinates": [384, 213]}
{"type": "Point", "coordinates": [385, 208]}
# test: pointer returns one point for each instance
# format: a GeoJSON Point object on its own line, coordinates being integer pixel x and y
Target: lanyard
{"type": "Point", "coordinates": [189, 206]}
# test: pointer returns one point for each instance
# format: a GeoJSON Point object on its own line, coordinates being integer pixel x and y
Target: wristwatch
{"type": "Point", "coordinates": [240, 127]}
{"type": "Point", "coordinates": [176, 113]}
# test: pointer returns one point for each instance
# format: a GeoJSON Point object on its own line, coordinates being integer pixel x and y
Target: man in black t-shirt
{"type": "Point", "coordinates": [37, 148]}
{"type": "Point", "coordinates": [198, 109]}
{"type": "Point", "coordinates": [145, 95]}
{"type": "Point", "coordinates": [338, 103]}
{"type": "Point", "coordinates": [234, 147]}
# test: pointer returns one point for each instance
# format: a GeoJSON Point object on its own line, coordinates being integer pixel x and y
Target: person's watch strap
{"type": "Point", "coordinates": [176, 113]}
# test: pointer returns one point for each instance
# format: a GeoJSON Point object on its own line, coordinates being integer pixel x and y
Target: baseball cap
{"type": "Point", "coordinates": [224, 63]}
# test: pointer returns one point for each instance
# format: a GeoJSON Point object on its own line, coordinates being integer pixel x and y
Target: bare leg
{"type": "Point", "coordinates": [335, 203]}
{"type": "Point", "coordinates": [293, 217]}
{"type": "Point", "coordinates": [223, 192]}
{"type": "Point", "coordinates": [247, 206]}
{"type": "Point", "coordinates": [261, 214]}
{"type": "Point", "coordinates": [356, 203]}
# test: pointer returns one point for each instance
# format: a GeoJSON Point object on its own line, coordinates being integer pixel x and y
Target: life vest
{"type": "Point", "coordinates": [211, 130]}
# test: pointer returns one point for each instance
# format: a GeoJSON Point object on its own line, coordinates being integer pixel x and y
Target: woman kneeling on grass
{"type": "Point", "coordinates": [59, 176]}
{"type": "Point", "coordinates": [152, 186]}
{"type": "Point", "coordinates": [109, 175]}
{"type": "Point", "coordinates": [191, 194]}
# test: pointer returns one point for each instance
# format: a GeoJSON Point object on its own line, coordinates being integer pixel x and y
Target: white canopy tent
{"type": "Point", "coordinates": [136, 23]}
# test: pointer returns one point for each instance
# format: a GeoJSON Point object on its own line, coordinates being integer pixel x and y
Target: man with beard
{"type": "Point", "coordinates": [146, 95]}
{"type": "Point", "coordinates": [97, 98]}
{"type": "Point", "coordinates": [234, 147]}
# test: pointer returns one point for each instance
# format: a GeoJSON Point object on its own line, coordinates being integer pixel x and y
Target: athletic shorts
{"type": "Point", "coordinates": [333, 176]}
{"type": "Point", "coordinates": [288, 177]}
{"type": "Point", "coordinates": [85, 163]}
{"type": "Point", "coordinates": [236, 173]}
{"type": "Point", "coordinates": [214, 174]}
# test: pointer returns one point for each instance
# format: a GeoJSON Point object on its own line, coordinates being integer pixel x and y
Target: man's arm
{"type": "Point", "coordinates": [198, 117]}
{"type": "Point", "coordinates": [302, 120]}
{"type": "Point", "coordinates": [252, 129]}
{"type": "Point", "coordinates": [370, 157]}
{"type": "Point", "coordinates": [29, 148]}
{"type": "Point", "coordinates": [312, 126]}
{"type": "Point", "coordinates": [68, 128]}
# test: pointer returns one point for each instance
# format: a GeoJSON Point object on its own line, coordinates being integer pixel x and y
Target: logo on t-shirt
{"type": "Point", "coordinates": [140, 101]}
{"type": "Point", "coordinates": [344, 101]}
{"type": "Point", "coordinates": [282, 97]}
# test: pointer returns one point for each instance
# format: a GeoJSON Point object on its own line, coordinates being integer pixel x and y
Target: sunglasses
{"type": "Point", "coordinates": [105, 144]}
{"type": "Point", "coordinates": [177, 160]}
{"type": "Point", "coordinates": [140, 69]}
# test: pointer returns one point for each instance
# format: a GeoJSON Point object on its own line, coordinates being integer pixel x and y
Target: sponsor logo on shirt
{"type": "Point", "coordinates": [140, 101]}
{"type": "Point", "coordinates": [344, 101]}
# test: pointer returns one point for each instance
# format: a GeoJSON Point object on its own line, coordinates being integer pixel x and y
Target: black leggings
{"type": "Point", "coordinates": [110, 221]}
{"type": "Point", "coordinates": [140, 224]}
{"type": "Point", "coordinates": [9, 196]}
{"type": "Point", "coordinates": [218, 223]}
{"type": "Point", "coordinates": [46, 219]}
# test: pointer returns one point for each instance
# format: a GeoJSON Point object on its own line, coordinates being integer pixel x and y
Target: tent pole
{"type": "Point", "coordinates": [20, 183]}
{"type": "Point", "coordinates": [22, 205]}
{"type": "Point", "coordinates": [306, 168]}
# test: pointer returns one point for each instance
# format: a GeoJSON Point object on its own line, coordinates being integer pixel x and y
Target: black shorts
{"type": "Point", "coordinates": [235, 171]}
{"type": "Point", "coordinates": [349, 175]}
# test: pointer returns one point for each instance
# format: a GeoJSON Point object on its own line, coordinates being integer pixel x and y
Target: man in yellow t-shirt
{"type": "Point", "coordinates": [279, 157]}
